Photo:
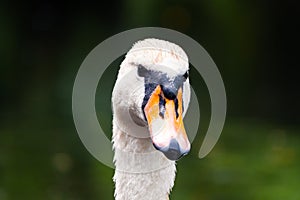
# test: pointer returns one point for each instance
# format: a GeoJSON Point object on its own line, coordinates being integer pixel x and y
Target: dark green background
{"type": "Point", "coordinates": [254, 43]}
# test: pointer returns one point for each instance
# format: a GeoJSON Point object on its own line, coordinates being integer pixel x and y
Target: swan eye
{"type": "Point", "coordinates": [186, 75]}
{"type": "Point", "coordinates": [142, 71]}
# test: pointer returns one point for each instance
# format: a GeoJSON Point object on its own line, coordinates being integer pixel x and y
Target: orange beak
{"type": "Point", "coordinates": [165, 124]}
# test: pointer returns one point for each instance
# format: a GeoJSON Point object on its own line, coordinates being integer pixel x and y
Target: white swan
{"type": "Point", "coordinates": [149, 100]}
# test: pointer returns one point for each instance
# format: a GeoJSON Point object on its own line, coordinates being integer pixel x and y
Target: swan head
{"type": "Point", "coordinates": [162, 70]}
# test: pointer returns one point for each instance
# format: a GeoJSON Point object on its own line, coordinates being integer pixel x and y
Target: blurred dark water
{"type": "Point", "coordinates": [254, 44]}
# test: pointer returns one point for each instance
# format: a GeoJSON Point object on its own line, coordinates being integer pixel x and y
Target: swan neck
{"type": "Point", "coordinates": [141, 171]}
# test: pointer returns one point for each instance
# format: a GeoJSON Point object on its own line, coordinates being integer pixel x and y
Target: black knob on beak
{"type": "Point", "coordinates": [170, 91]}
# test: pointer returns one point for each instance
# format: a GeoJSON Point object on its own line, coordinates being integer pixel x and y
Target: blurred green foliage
{"type": "Point", "coordinates": [43, 43]}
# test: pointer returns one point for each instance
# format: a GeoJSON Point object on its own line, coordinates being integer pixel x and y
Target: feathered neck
{"type": "Point", "coordinates": [142, 173]}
